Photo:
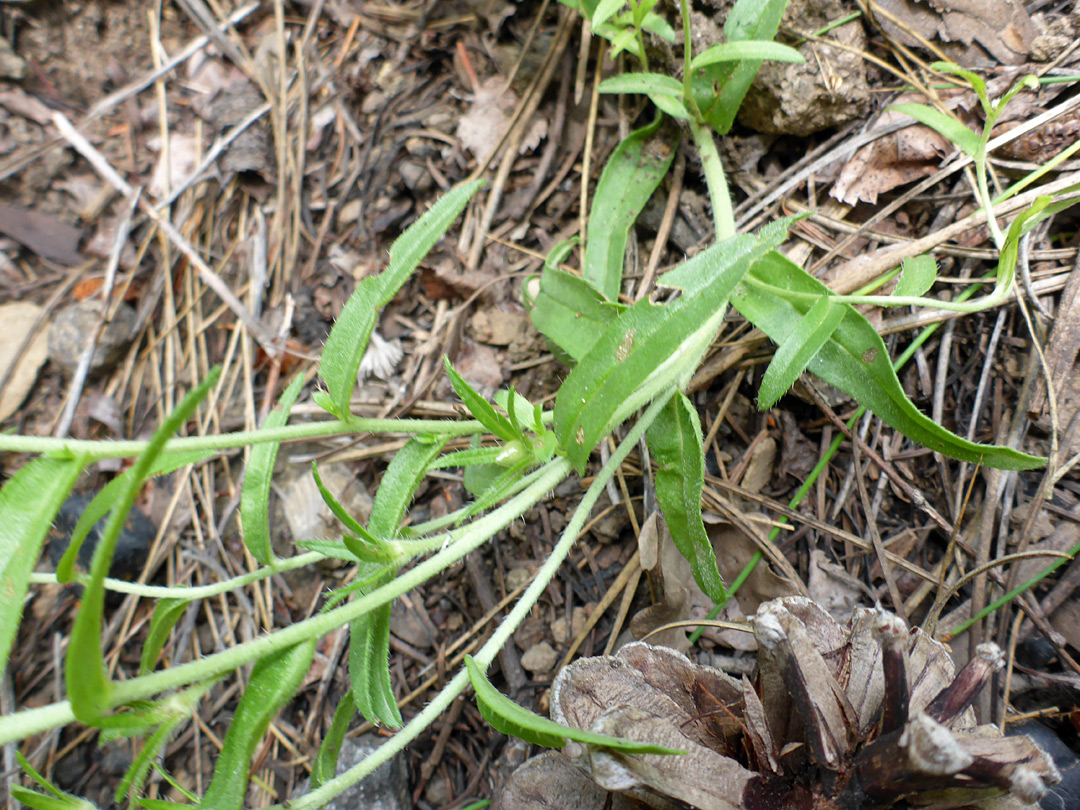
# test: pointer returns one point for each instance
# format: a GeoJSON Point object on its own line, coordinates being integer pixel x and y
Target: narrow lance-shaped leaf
{"type": "Point", "coordinates": [167, 613]}
{"type": "Point", "coordinates": [362, 543]}
{"type": "Point", "coordinates": [798, 349]}
{"type": "Point", "coordinates": [946, 125]}
{"type": "Point", "coordinates": [324, 768]}
{"type": "Point", "coordinates": [629, 179]}
{"type": "Point", "coordinates": [369, 667]}
{"type": "Point", "coordinates": [675, 443]}
{"type": "Point", "coordinates": [746, 49]}
{"type": "Point", "coordinates": [274, 680]}
{"type": "Point", "coordinates": [255, 495]}
{"type": "Point", "coordinates": [28, 501]}
{"type": "Point", "coordinates": [509, 718]}
{"type": "Point", "coordinates": [480, 408]}
{"type": "Point", "coordinates": [399, 484]}
{"type": "Point", "coordinates": [855, 360]}
{"type": "Point", "coordinates": [347, 341]}
{"type": "Point", "coordinates": [88, 686]}
{"type": "Point", "coordinates": [665, 92]}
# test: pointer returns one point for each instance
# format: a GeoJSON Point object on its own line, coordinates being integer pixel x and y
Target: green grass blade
{"type": "Point", "coordinates": [29, 501]}
{"type": "Point", "coordinates": [674, 440]}
{"type": "Point", "coordinates": [347, 341]}
{"type": "Point", "coordinates": [255, 495]}
{"type": "Point", "coordinates": [966, 140]}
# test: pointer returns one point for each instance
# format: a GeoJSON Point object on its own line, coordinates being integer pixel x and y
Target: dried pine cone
{"type": "Point", "coordinates": [871, 715]}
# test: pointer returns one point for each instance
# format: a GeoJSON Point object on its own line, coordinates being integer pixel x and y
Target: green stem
{"type": "Point", "coordinates": [715, 181]}
{"type": "Point", "coordinates": [486, 654]}
{"type": "Point", "coordinates": [33, 721]}
{"type": "Point", "coordinates": [97, 450]}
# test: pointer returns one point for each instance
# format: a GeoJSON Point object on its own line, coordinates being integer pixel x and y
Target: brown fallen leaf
{"type": "Point", "coordinates": [18, 319]}
{"type": "Point", "coordinates": [42, 233]}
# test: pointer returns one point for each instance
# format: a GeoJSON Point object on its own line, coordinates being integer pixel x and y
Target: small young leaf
{"type": "Point", "coordinates": [472, 457]}
{"type": "Point", "coordinates": [798, 349]}
{"type": "Point", "coordinates": [88, 686]}
{"type": "Point", "coordinates": [605, 10]}
{"type": "Point", "coordinates": [855, 360]}
{"type": "Point", "coordinates": [399, 483]}
{"type": "Point", "coordinates": [136, 774]}
{"type": "Point", "coordinates": [674, 440]}
{"type": "Point", "coordinates": [274, 680]}
{"type": "Point", "coordinates": [324, 768]}
{"type": "Point", "coordinates": [656, 24]}
{"type": "Point", "coordinates": [329, 548]}
{"type": "Point", "coordinates": [746, 49]}
{"type": "Point", "coordinates": [946, 125]}
{"type": "Point", "coordinates": [570, 312]}
{"type": "Point", "coordinates": [506, 716]}
{"type": "Point", "coordinates": [648, 83]}
{"type": "Point", "coordinates": [39, 801]}
{"type": "Point", "coordinates": [519, 408]}
{"type": "Point", "coordinates": [364, 545]}
{"type": "Point", "coordinates": [369, 667]}
{"type": "Point", "coordinates": [28, 501]}
{"type": "Point", "coordinates": [629, 179]}
{"type": "Point", "coordinates": [347, 341]}
{"type": "Point", "coordinates": [480, 408]}
{"type": "Point", "coordinates": [917, 276]}
{"type": "Point", "coordinates": [166, 614]}
{"type": "Point", "coordinates": [255, 494]}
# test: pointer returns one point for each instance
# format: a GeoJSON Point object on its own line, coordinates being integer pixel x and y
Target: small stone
{"type": "Point", "coordinates": [385, 789]}
{"type": "Point", "coordinates": [132, 546]}
{"type": "Point", "coordinates": [517, 577]}
{"type": "Point", "coordinates": [540, 658]}
{"type": "Point", "coordinates": [414, 176]}
{"type": "Point", "coordinates": [73, 327]}
{"type": "Point", "coordinates": [350, 211]}
{"type": "Point", "coordinates": [12, 66]}
{"type": "Point", "coordinates": [564, 633]}
{"type": "Point", "coordinates": [439, 792]}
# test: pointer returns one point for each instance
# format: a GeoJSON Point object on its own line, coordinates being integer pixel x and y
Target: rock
{"type": "Point", "coordinates": [516, 577]}
{"type": "Point", "coordinates": [827, 90]}
{"type": "Point", "coordinates": [498, 328]}
{"type": "Point", "coordinates": [132, 547]}
{"type": "Point", "coordinates": [540, 658]}
{"type": "Point", "coordinates": [12, 66]}
{"type": "Point", "coordinates": [385, 789]}
{"type": "Point", "coordinates": [564, 631]}
{"type": "Point", "coordinates": [73, 327]}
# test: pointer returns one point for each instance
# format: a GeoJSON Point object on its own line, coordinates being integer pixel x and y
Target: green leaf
{"type": "Point", "coordinates": [166, 614]}
{"type": "Point", "coordinates": [649, 349]}
{"type": "Point", "coordinates": [966, 140]}
{"type": "Point", "coordinates": [666, 92]}
{"type": "Point", "coordinates": [506, 716]}
{"type": "Point", "coordinates": [364, 544]}
{"type": "Point", "coordinates": [324, 768]}
{"type": "Point", "coordinates": [471, 457]}
{"type": "Point", "coordinates": [88, 686]}
{"type": "Point", "coordinates": [136, 774]}
{"type": "Point", "coordinates": [347, 341]}
{"type": "Point", "coordinates": [798, 349]}
{"type": "Point", "coordinates": [274, 680]}
{"type": "Point", "coordinates": [399, 483]}
{"type": "Point", "coordinates": [675, 443]}
{"type": "Point", "coordinates": [719, 89]}
{"type": "Point", "coordinates": [39, 801]}
{"type": "Point", "coordinates": [255, 495]}
{"type": "Point", "coordinates": [104, 500]}
{"type": "Point", "coordinates": [759, 50]}
{"type": "Point", "coordinates": [855, 360]}
{"type": "Point", "coordinates": [605, 10]}
{"type": "Point", "coordinates": [1042, 208]}
{"type": "Point", "coordinates": [917, 276]}
{"type": "Point", "coordinates": [369, 667]}
{"type": "Point", "coordinates": [570, 312]}
{"type": "Point", "coordinates": [519, 408]}
{"type": "Point", "coordinates": [656, 24]}
{"type": "Point", "coordinates": [329, 548]}
{"type": "Point", "coordinates": [28, 501]}
{"type": "Point", "coordinates": [629, 179]}
{"type": "Point", "coordinates": [480, 408]}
